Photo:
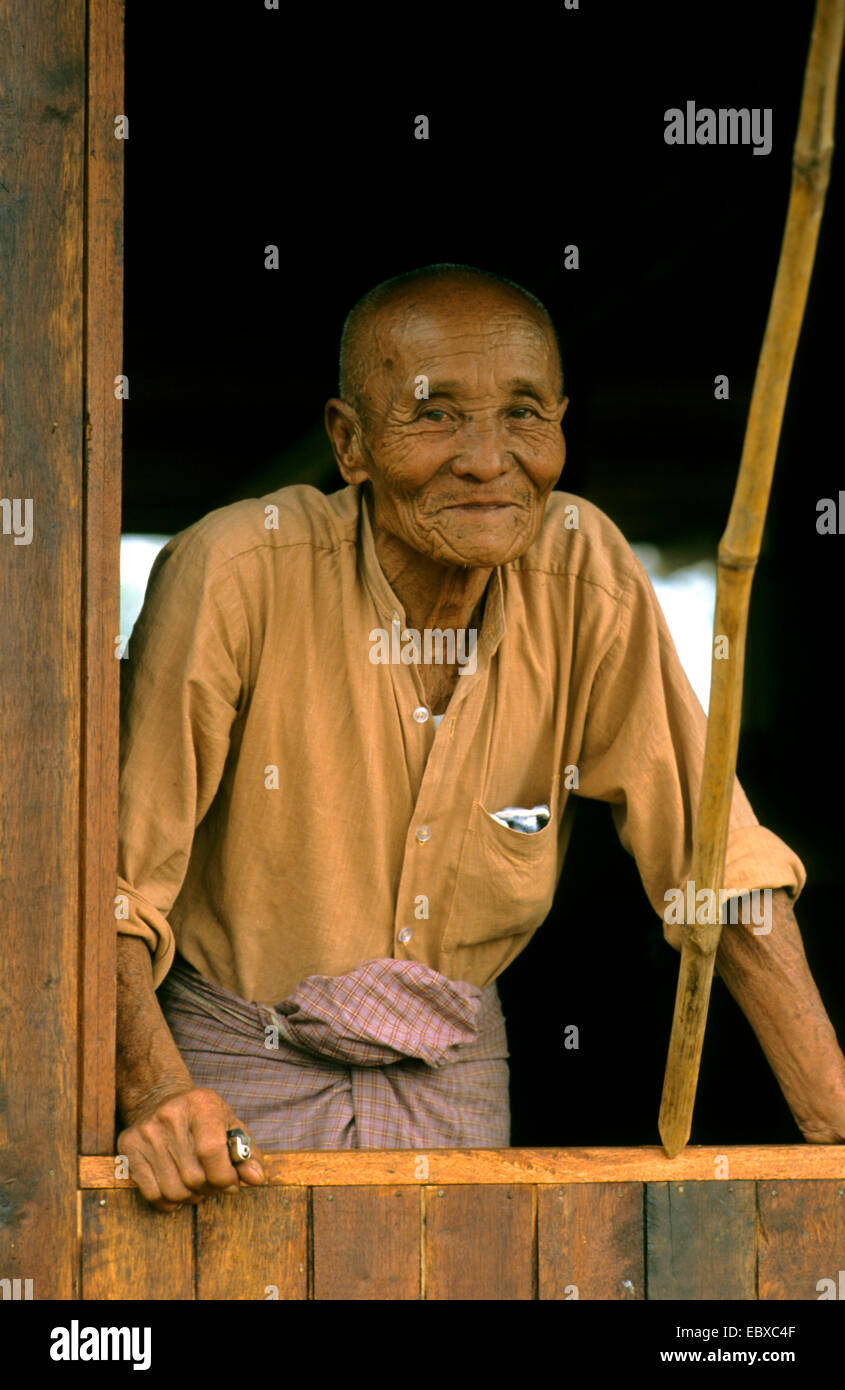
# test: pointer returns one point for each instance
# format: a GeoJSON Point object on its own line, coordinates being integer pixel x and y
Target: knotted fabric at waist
{"type": "Point", "coordinates": [382, 1012]}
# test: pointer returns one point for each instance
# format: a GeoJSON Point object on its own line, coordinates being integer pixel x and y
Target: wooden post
{"type": "Point", "coordinates": [41, 230]}
{"type": "Point", "coordinates": [738, 552]}
{"type": "Point", "coordinates": [103, 312]}
{"type": "Point", "coordinates": [50, 631]}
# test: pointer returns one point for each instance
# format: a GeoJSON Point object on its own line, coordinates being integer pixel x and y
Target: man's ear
{"type": "Point", "coordinates": [563, 406]}
{"type": "Point", "coordinates": [343, 427]}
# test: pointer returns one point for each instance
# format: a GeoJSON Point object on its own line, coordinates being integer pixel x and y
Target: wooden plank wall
{"type": "Point", "coordinates": [517, 1239]}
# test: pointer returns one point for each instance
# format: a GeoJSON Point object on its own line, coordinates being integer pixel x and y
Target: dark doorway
{"type": "Point", "coordinates": [262, 129]}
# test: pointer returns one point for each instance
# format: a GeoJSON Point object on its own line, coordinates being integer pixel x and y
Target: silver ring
{"type": "Point", "coordinates": [240, 1149]}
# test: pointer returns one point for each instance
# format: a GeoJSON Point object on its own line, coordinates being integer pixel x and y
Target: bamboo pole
{"type": "Point", "coordinates": [738, 552]}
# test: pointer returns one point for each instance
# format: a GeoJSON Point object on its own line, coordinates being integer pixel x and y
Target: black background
{"type": "Point", "coordinates": [251, 127]}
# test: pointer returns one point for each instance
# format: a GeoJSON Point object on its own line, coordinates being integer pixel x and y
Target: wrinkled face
{"type": "Point", "coordinates": [462, 474]}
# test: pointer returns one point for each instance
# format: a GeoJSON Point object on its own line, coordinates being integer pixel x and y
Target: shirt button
{"type": "Point", "coordinates": [423, 834]}
{"type": "Point", "coordinates": [421, 714]}
{"type": "Point", "coordinates": [405, 934]}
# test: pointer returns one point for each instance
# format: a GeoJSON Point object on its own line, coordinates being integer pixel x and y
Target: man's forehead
{"type": "Point", "coordinates": [424, 329]}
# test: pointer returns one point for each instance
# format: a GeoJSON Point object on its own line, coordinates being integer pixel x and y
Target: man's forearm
{"type": "Point", "coordinates": [149, 1063]}
{"type": "Point", "coordinates": [770, 979]}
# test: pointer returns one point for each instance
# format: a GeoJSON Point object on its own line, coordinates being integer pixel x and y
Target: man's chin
{"type": "Point", "coordinates": [481, 555]}
{"type": "Point", "coordinates": [487, 544]}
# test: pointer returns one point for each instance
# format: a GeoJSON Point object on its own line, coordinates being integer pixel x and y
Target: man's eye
{"type": "Point", "coordinates": [428, 414]}
{"type": "Point", "coordinates": [523, 410]}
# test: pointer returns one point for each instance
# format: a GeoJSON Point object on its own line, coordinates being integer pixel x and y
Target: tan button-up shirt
{"type": "Point", "coordinates": [286, 810]}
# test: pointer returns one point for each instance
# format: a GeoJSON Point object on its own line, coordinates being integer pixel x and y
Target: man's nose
{"type": "Point", "coordinates": [483, 451]}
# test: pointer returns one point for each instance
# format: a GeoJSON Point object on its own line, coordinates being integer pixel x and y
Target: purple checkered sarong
{"type": "Point", "coordinates": [392, 1055]}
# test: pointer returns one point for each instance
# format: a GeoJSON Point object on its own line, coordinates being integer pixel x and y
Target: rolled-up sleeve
{"type": "Point", "coordinates": [181, 684]}
{"type": "Point", "coordinates": [643, 752]}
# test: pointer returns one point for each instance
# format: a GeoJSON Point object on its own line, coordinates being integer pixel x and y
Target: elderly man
{"type": "Point", "coordinates": [330, 845]}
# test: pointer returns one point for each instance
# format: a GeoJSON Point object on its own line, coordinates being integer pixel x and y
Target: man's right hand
{"type": "Point", "coordinates": [177, 1150]}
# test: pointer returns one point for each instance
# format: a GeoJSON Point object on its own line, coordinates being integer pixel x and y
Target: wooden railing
{"type": "Point", "coordinates": [731, 1223]}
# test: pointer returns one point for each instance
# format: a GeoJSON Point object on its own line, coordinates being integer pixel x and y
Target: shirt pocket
{"type": "Point", "coordinates": [506, 880]}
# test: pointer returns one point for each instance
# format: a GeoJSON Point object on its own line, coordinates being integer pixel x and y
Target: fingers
{"type": "Point", "coordinates": [150, 1188]}
{"type": "Point", "coordinates": [146, 1180]}
{"type": "Point", "coordinates": [208, 1134]}
{"type": "Point", "coordinates": [211, 1146]}
{"type": "Point", "coordinates": [156, 1171]}
{"type": "Point", "coordinates": [179, 1170]}
{"type": "Point", "coordinates": [178, 1152]}
{"type": "Point", "coordinates": [251, 1171]}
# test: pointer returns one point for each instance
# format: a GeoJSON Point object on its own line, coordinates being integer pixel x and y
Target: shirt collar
{"type": "Point", "coordinates": [389, 606]}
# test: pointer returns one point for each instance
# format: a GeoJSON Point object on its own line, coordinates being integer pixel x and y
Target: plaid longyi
{"type": "Point", "coordinates": [391, 1055]}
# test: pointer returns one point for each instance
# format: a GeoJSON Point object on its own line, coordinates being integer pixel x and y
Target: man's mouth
{"type": "Point", "coordinates": [480, 506]}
